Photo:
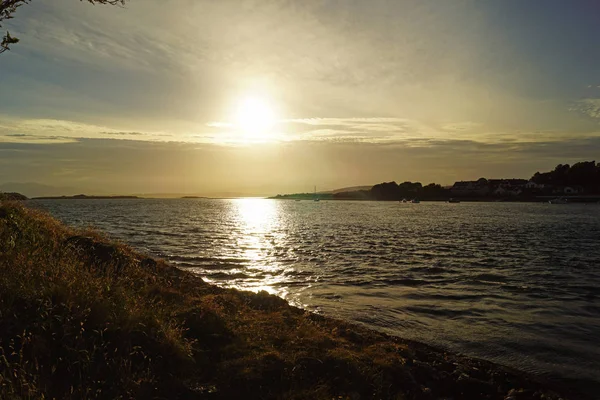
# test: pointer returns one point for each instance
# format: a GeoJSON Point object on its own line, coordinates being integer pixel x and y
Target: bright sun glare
{"type": "Point", "coordinates": [255, 117]}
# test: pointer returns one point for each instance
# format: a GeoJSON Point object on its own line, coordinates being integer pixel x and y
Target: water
{"type": "Point", "coordinates": [517, 284]}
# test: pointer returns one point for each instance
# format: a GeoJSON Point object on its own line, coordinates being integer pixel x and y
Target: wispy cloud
{"type": "Point", "coordinates": [462, 126]}
{"type": "Point", "coordinates": [589, 107]}
{"type": "Point", "coordinates": [376, 130]}
{"type": "Point", "coordinates": [52, 131]}
{"type": "Point", "coordinates": [413, 133]}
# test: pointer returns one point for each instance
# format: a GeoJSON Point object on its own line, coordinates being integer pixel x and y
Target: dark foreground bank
{"type": "Point", "coordinates": [81, 317]}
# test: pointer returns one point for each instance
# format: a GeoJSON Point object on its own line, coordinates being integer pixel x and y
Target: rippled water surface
{"type": "Point", "coordinates": [517, 284]}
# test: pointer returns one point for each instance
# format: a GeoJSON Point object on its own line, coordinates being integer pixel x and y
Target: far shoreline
{"type": "Point", "coordinates": [545, 200]}
{"type": "Point", "coordinates": [84, 197]}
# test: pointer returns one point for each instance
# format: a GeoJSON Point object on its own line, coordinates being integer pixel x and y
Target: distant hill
{"type": "Point", "coordinates": [84, 197]}
{"type": "Point", "coordinates": [34, 189]}
{"type": "Point", "coordinates": [351, 189]}
{"type": "Point", "coordinates": [324, 195]}
{"type": "Point", "coordinates": [12, 196]}
{"type": "Point", "coordinates": [382, 191]}
{"type": "Point", "coordinates": [201, 195]}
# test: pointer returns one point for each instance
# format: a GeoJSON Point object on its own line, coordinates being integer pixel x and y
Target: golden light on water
{"type": "Point", "coordinates": [257, 215]}
{"type": "Point", "coordinates": [259, 219]}
{"type": "Point", "coordinates": [261, 240]}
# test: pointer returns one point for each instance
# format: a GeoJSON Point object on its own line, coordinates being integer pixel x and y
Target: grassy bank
{"type": "Point", "coordinates": [12, 196]}
{"type": "Point", "coordinates": [81, 317]}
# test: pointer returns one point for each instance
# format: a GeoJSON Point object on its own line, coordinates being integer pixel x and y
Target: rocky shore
{"type": "Point", "coordinates": [83, 317]}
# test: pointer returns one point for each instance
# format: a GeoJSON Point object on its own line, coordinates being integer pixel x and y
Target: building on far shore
{"type": "Point", "coordinates": [479, 187]}
{"type": "Point", "coordinates": [482, 187]}
{"type": "Point", "coordinates": [531, 185]}
{"type": "Point", "coordinates": [573, 189]}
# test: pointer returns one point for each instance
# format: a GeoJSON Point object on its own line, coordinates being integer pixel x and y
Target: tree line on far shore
{"type": "Point", "coordinates": [394, 191]}
{"type": "Point", "coordinates": [584, 177]}
{"type": "Point", "coordinates": [381, 191]}
{"type": "Point", "coordinates": [584, 174]}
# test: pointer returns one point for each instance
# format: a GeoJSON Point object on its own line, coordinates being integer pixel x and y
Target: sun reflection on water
{"type": "Point", "coordinates": [257, 215]}
{"type": "Point", "coordinates": [259, 229]}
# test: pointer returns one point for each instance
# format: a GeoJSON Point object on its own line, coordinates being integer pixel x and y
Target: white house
{"type": "Point", "coordinates": [533, 185]}
{"type": "Point", "coordinates": [572, 190]}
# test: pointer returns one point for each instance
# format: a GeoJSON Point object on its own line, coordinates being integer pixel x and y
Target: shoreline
{"type": "Point", "coordinates": [542, 200]}
{"type": "Point", "coordinates": [86, 197]}
{"type": "Point", "coordinates": [520, 201]}
{"type": "Point", "coordinates": [232, 343]}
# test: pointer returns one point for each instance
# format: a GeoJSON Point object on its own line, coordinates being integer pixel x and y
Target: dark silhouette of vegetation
{"type": "Point", "coordinates": [433, 191]}
{"type": "Point", "coordinates": [582, 180]}
{"type": "Point", "coordinates": [12, 196]}
{"type": "Point", "coordinates": [82, 317]}
{"type": "Point", "coordinates": [9, 7]}
{"type": "Point", "coordinates": [353, 195]}
{"type": "Point", "coordinates": [386, 191]}
{"type": "Point", "coordinates": [585, 174]}
{"type": "Point", "coordinates": [408, 190]}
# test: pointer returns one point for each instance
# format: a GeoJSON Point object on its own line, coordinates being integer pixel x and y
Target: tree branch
{"type": "Point", "coordinates": [9, 7]}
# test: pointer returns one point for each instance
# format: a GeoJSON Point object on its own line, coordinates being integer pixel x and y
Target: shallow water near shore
{"type": "Point", "coordinates": [516, 284]}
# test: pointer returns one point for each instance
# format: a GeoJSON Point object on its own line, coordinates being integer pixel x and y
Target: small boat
{"type": "Point", "coordinates": [558, 200]}
{"type": "Point", "coordinates": [415, 201]}
{"type": "Point", "coordinates": [316, 198]}
{"type": "Point", "coordinates": [403, 201]}
{"type": "Point", "coordinates": [451, 200]}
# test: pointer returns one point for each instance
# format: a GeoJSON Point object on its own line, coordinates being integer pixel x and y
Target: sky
{"type": "Point", "coordinates": [265, 97]}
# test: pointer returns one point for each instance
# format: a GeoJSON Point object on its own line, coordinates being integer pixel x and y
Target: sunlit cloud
{"type": "Point", "coordinates": [54, 131]}
{"type": "Point", "coordinates": [405, 132]}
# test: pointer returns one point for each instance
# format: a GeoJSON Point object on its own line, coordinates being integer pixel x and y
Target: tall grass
{"type": "Point", "coordinates": [72, 327]}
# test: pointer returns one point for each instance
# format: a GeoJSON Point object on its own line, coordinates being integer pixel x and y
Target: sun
{"type": "Point", "coordinates": [255, 117]}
